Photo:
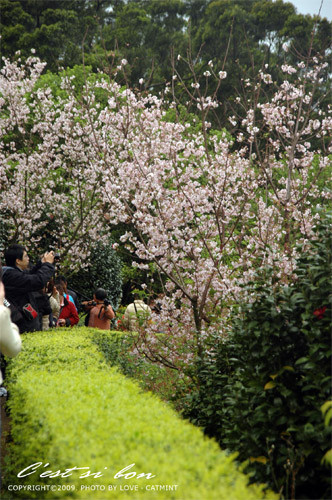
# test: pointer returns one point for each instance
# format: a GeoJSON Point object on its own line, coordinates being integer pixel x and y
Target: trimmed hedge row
{"type": "Point", "coordinates": [69, 409]}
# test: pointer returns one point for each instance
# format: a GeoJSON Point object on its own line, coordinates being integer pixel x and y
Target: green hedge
{"type": "Point", "coordinates": [69, 408]}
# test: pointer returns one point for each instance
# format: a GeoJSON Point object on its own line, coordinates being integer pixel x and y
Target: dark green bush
{"type": "Point", "coordinates": [103, 271]}
{"type": "Point", "coordinates": [262, 392]}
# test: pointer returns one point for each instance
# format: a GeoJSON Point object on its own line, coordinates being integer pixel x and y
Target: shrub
{"type": "Point", "coordinates": [119, 350]}
{"type": "Point", "coordinates": [69, 409]}
{"type": "Point", "coordinates": [262, 392]}
{"type": "Point", "coordinates": [104, 271]}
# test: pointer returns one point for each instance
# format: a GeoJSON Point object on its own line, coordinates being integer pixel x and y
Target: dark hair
{"type": "Point", "coordinates": [100, 294]}
{"type": "Point", "coordinates": [60, 288]}
{"type": "Point", "coordinates": [12, 253]}
{"type": "Point", "coordinates": [50, 285]}
{"type": "Point", "coordinates": [62, 278]}
{"type": "Point", "coordinates": [0, 270]}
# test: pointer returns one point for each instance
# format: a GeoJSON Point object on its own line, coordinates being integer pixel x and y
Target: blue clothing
{"type": "Point", "coordinates": [70, 299]}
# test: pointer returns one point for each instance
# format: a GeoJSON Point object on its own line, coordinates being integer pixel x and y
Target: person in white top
{"type": "Point", "coordinates": [54, 297]}
{"type": "Point", "coordinates": [10, 340]}
{"type": "Point", "coordinates": [136, 315]}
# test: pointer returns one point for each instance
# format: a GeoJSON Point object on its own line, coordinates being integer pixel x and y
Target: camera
{"type": "Point", "coordinates": [106, 303]}
{"type": "Point", "coordinates": [56, 257]}
{"type": "Point", "coordinates": [91, 303]}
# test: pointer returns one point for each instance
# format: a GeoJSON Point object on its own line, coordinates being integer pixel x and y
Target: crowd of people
{"type": "Point", "coordinates": [39, 300]}
{"type": "Point", "coordinates": [34, 299]}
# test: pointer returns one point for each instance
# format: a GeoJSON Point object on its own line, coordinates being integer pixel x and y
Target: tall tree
{"type": "Point", "coordinates": [55, 29]}
{"type": "Point", "coordinates": [144, 32]}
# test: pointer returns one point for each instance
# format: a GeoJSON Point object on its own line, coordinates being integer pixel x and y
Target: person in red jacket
{"type": "Point", "coordinates": [68, 315]}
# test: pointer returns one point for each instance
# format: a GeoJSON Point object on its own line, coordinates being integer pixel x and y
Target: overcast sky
{"type": "Point", "coordinates": [312, 7]}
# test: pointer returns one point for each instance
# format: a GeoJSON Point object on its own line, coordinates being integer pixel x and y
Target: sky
{"type": "Point", "coordinates": [312, 7]}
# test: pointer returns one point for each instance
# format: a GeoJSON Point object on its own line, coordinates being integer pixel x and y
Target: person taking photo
{"type": "Point", "coordinates": [100, 312]}
{"type": "Point", "coordinates": [20, 283]}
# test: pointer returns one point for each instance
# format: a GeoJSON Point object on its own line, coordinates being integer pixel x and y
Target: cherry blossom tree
{"type": "Point", "coordinates": [206, 209]}
{"type": "Point", "coordinates": [208, 214]}
{"type": "Point", "coordinates": [289, 137]}
{"type": "Point", "coordinates": [49, 164]}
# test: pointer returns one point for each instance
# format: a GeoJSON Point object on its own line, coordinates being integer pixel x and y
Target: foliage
{"type": "Point", "coordinates": [132, 276]}
{"type": "Point", "coordinates": [120, 351]}
{"type": "Point", "coordinates": [177, 190]}
{"type": "Point", "coordinates": [262, 391]}
{"type": "Point", "coordinates": [327, 413]}
{"type": "Point", "coordinates": [56, 28]}
{"type": "Point", "coordinates": [82, 156]}
{"type": "Point", "coordinates": [237, 36]}
{"type": "Point", "coordinates": [53, 202]}
{"type": "Point", "coordinates": [78, 76]}
{"type": "Point", "coordinates": [78, 164]}
{"type": "Point", "coordinates": [103, 271]}
{"type": "Point", "coordinates": [69, 409]}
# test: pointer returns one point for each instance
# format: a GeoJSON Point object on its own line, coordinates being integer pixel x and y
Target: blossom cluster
{"type": "Point", "coordinates": [206, 215]}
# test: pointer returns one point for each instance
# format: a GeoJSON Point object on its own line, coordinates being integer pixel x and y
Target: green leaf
{"type": "Point", "coordinates": [327, 458]}
{"type": "Point", "coordinates": [301, 360]}
{"type": "Point", "coordinates": [269, 385]}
